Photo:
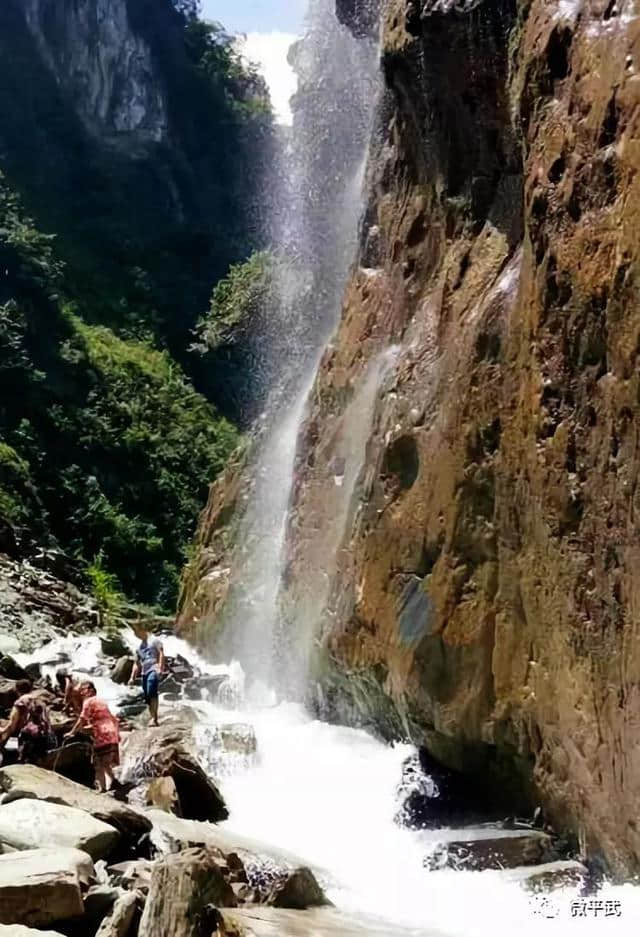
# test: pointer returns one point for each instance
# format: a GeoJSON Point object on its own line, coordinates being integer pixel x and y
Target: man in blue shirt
{"type": "Point", "coordinates": [150, 664]}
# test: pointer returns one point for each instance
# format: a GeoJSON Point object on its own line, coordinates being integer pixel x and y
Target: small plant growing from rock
{"type": "Point", "coordinates": [105, 590]}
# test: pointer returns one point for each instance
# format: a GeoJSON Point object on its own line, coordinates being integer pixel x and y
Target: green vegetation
{"type": "Point", "coordinates": [106, 448]}
{"type": "Point", "coordinates": [105, 590]}
{"type": "Point", "coordinates": [237, 302]}
{"type": "Point", "coordinates": [111, 429]}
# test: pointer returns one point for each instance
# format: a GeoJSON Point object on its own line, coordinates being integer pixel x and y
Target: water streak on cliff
{"type": "Point", "coordinates": [315, 245]}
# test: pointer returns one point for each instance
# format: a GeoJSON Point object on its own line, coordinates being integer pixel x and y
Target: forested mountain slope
{"type": "Point", "coordinates": [134, 135]}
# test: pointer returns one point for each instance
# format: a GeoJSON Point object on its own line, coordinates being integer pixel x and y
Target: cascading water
{"type": "Point", "coordinates": [327, 795]}
{"type": "Point", "coordinates": [315, 239]}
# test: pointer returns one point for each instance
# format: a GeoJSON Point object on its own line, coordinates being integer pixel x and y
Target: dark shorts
{"type": "Point", "coordinates": [150, 686]}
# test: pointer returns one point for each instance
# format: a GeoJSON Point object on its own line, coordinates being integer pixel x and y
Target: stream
{"type": "Point", "coordinates": [328, 794]}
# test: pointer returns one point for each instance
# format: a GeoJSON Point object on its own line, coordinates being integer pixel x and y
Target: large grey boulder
{"type": "Point", "coordinates": [35, 824]}
{"type": "Point", "coordinates": [185, 890]}
{"type": "Point", "coordinates": [28, 781]}
{"type": "Point", "coordinates": [41, 886]}
{"type": "Point", "coordinates": [164, 752]}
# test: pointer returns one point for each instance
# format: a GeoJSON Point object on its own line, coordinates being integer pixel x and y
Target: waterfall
{"type": "Point", "coordinates": [314, 236]}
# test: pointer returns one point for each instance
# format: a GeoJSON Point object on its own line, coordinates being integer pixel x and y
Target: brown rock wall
{"type": "Point", "coordinates": [483, 572]}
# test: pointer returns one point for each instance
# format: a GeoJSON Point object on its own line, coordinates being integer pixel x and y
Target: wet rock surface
{"type": "Point", "coordinates": [494, 849]}
{"type": "Point", "coordinates": [299, 890]}
{"type": "Point", "coordinates": [164, 753]}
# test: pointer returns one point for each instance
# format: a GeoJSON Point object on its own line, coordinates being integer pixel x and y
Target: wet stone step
{"type": "Point", "coordinates": [563, 873]}
{"type": "Point", "coordinates": [491, 849]}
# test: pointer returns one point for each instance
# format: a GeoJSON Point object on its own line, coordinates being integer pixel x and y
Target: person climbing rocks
{"type": "Point", "coordinates": [71, 690]}
{"type": "Point", "coordinates": [29, 721]}
{"type": "Point", "coordinates": [149, 664]}
{"type": "Point", "coordinates": [97, 719]}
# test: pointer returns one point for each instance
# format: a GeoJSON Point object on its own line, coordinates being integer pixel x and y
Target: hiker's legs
{"type": "Point", "coordinates": [100, 772]}
{"type": "Point", "coordinates": [151, 693]}
{"type": "Point", "coordinates": [108, 770]}
{"type": "Point", "coordinates": [153, 709]}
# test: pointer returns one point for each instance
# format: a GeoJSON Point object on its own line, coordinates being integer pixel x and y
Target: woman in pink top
{"type": "Point", "coordinates": [97, 718]}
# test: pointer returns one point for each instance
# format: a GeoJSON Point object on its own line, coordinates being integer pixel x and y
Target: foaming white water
{"type": "Point", "coordinates": [328, 795]}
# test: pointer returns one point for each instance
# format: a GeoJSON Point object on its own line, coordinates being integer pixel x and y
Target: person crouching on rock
{"type": "Point", "coordinates": [29, 721]}
{"type": "Point", "coordinates": [71, 689]}
{"type": "Point", "coordinates": [149, 663]}
{"type": "Point", "coordinates": [97, 719]}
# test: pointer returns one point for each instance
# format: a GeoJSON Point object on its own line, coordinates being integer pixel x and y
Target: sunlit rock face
{"type": "Point", "coordinates": [102, 64]}
{"type": "Point", "coordinates": [486, 582]}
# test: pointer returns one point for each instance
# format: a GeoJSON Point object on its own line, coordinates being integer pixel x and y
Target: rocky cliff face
{"type": "Point", "coordinates": [463, 536]}
{"type": "Point", "coordinates": [102, 64]}
{"type": "Point", "coordinates": [486, 579]}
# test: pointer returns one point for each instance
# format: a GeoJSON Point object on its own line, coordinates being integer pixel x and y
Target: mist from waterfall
{"type": "Point", "coordinates": [314, 238]}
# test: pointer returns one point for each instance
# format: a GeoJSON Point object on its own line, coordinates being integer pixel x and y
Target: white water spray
{"type": "Point", "coordinates": [326, 164]}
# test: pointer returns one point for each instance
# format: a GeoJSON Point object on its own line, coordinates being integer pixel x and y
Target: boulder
{"type": "Point", "coordinates": [33, 671]}
{"type": "Point", "coordinates": [171, 833]}
{"type": "Point", "coordinates": [185, 888]}
{"type": "Point", "coordinates": [162, 793]}
{"type": "Point", "coordinates": [134, 875]}
{"type": "Point", "coordinates": [73, 760]}
{"type": "Point", "coordinates": [34, 824]}
{"type": "Point", "coordinates": [41, 886]}
{"type": "Point", "coordinates": [11, 670]}
{"type": "Point", "coordinates": [493, 849]}
{"type": "Point", "coordinates": [163, 752]}
{"type": "Point", "coordinates": [122, 670]}
{"type": "Point", "coordinates": [113, 645]}
{"type": "Point", "coordinates": [180, 667]}
{"type": "Point", "coordinates": [8, 694]}
{"type": "Point", "coordinates": [192, 689]}
{"type": "Point", "coordinates": [299, 890]}
{"type": "Point", "coordinates": [120, 922]}
{"type": "Point", "coordinates": [210, 683]}
{"type": "Point", "coordinates": [99, 901]}
{"type": "Point", "coordinates": [20, 781]}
